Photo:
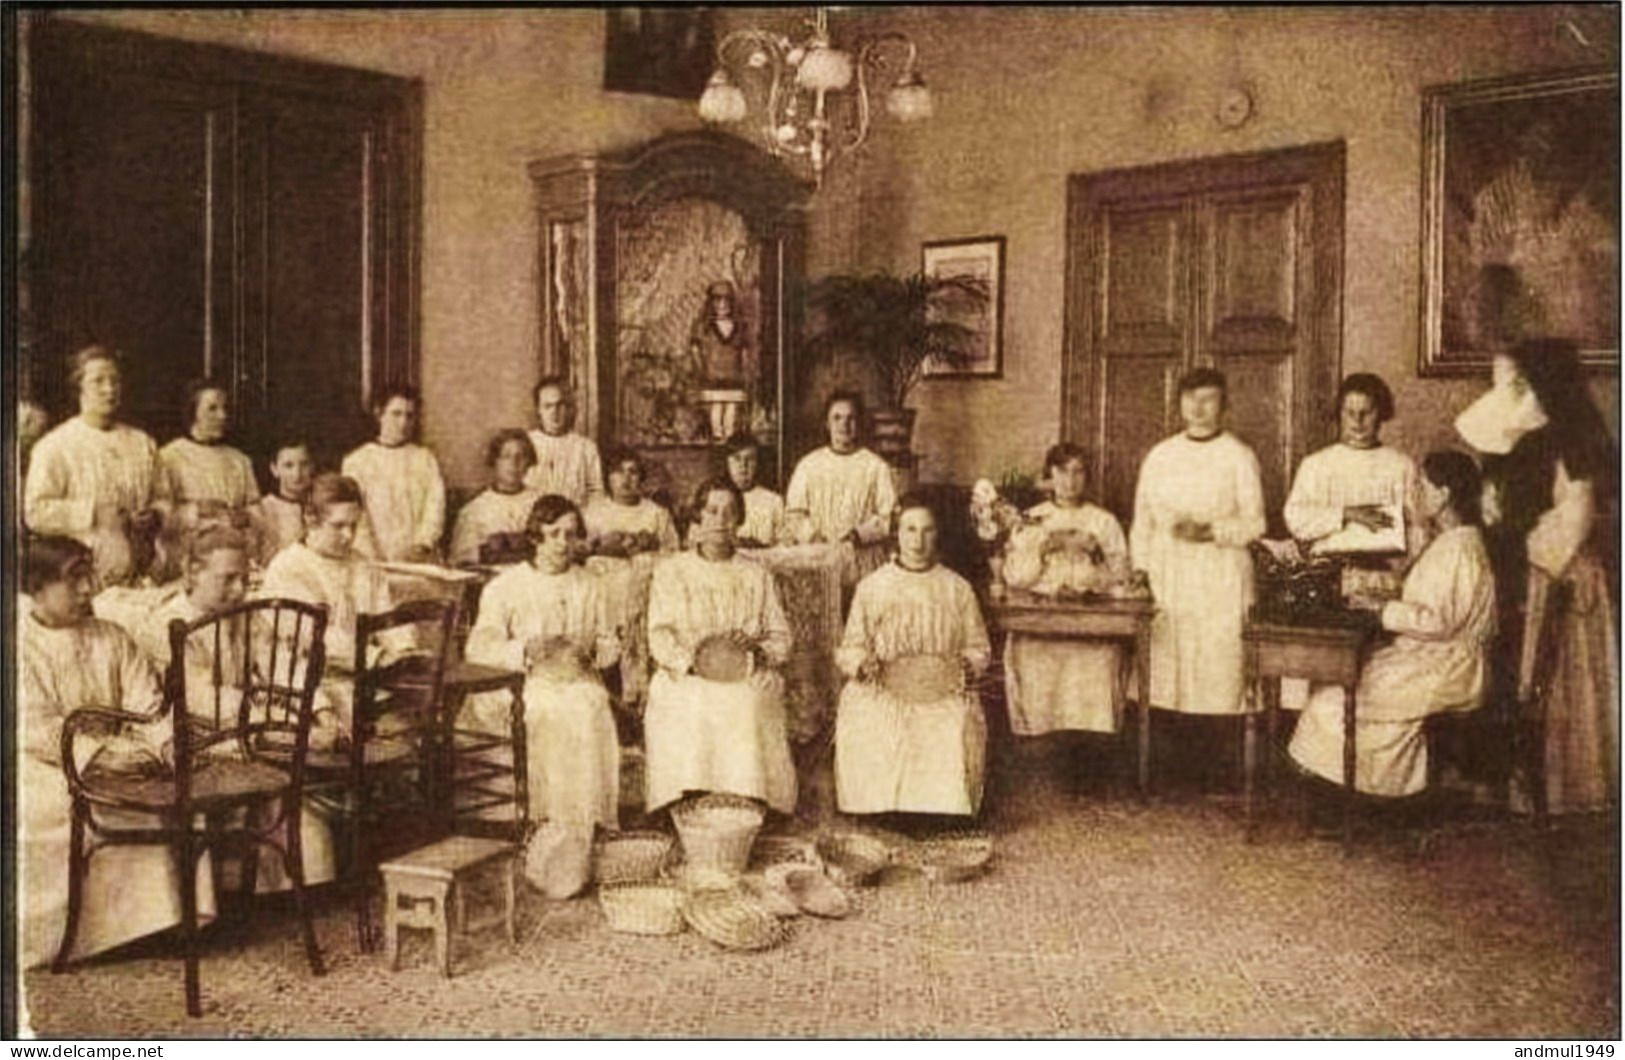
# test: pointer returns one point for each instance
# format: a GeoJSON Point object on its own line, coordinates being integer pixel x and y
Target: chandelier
{"type": "Point", "coordinates": [810, 109]}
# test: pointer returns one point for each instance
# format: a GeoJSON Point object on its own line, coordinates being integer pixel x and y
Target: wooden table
{"type": "Point", "coordinates": [427, 889]}
{"type": "Point", "coordinates": [1127, 621]}
{"type": "Point", "coordinates": [1329, 654]}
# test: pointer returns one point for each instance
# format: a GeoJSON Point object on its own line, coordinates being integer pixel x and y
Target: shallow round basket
{"type": "Point", "coordinates": [717, 831]}
{"type": "Point", "coordinates": [852, 858]}
{"type": "Point", "coordinates": [773, 850]}
{"type": "Point", "coordinates": [923, 678]}
{"type": "Point", "coordinates": [719, 659]}
{"type": "Point", "coordinates": [631, 857]}
{"type": "Point", "coordinates": [774, 899]}
{"type": "Point", "coordinates": [642, 908]}
{"type": "Point", "coordinates": [952, 857]}
{"type": "Point", "coordinates": [810, 889]}
{"type": "Point", "coordinates": [733, 920]}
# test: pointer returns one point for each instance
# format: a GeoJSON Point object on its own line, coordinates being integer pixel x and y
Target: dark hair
{"type": "Point", "coordinates": [381, 400]}
{"type": "Point", "coordinates": [1197, 378]}
{"type": "Point", "coordinates": [851, 397]}
{"type": "Point", "coordinates": [287, 441]}
{"type": "Point", "coordinates": [714, 484]}
{"type": "Point", "coordinates": [1061, 453]}
{"type": "Point", "coordinates": [78, 362]}
{"type": "Point", "coordinates": [616, 455]}
{"type": "Point", "coordinates": [331, 488]}
{"type": "Point", "coordinates": [1372, 387]}
{"type": "Point", "coordinates": [493, 448]}
{"type": "Point", "coordinates": [552, 380]}
{"type": "Point", "coordinates": [1552, 367]}
{"type": "Point", "coordinates": [548, 509]}
{"type": "Point", "coordinates": [909, 502]}
{"type": "Point", "coordinates": [1457, 473]}
{"type": "Point", "coordinates": [738, 442]}
{"type": "Point", "coordinates": [50, 559]}
{"type": "Point", "coordinates": [215, 539]}
{"type": "Point", "coordinates": [195, 389]}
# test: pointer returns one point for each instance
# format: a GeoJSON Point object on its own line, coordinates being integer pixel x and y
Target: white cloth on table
{"type": "Point", "coordinates": [1053, 684]}
{"type": "Point", "coordinates": [572, 752]}
{"type": "Point", "coordinates": [404, 496]}
{"type": "Point", "coordinates": [130, 891]}
{"type": "Point", "coordinates": [704, 735]}
{"type": "Point", "coordinates": [897, 755]}
{"type": "Point", "coordinates": [1202, 589]}
{"type": "Point", "coordinates": [566, 465]}
{"type": "Point", "coordinates": [1341, 476]}
{"type": "Point", "coordinates": [77, 467]}
{"type": "Point", "coordinates": [279, 523]}
{"type": "Point", "coordinates": [1445, 621]}
{"type": "Point", "coordinates": [489, 513]}
{"type": "Point", "coordinates": [199, 472]}
{"type": "Point", "coordinates": [605, 516]}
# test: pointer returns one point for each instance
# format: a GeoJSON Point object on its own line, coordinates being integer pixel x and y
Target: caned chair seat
{"type": "Point", "coordinates": [213, 783]}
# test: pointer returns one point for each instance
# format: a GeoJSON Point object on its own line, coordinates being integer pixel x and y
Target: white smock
{"type": "Point", "coordinates": [566, 465]}
{"type": "Point", "coordinates": [842, 492]}
{"type": "Point", "coordinates": [492, 512]}
{"type": "Point", "coordinates": [404, 496]}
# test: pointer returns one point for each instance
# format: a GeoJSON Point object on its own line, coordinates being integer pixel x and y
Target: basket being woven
{"type": "Point", "coordinates": [923, 678]}
{"type": "Point", "coordinates": [642, 908]}
{"type": "Point", "coordinates": [628, 857]}
{"type": "Point", "coordinates": [717, 831]}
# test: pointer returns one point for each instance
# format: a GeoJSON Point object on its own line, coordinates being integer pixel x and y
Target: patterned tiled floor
{"type": "Point", "coordinates": [1102, 918]}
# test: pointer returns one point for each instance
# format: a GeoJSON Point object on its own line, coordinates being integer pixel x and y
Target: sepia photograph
{"type": "Point", "coordinates": [696, 524]}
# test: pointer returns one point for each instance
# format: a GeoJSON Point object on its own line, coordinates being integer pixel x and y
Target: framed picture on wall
{"type": "Point", "coordinates": [665, 50]}
{"type": "Point", "coordinates": [1520, 218]}
{"type": "Point", "coordinates": [979, 307]}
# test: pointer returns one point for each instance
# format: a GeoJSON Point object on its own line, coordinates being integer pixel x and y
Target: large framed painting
{"type": "Point", "coordinates": [659, 51]}
{"type": "Point", "coordinates": [982, 260]}
{"type": "Point", "coordinates": [1520, 218]}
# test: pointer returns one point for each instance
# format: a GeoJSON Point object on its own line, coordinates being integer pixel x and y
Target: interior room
{"type": "Point", "coordinates": [899, 335]}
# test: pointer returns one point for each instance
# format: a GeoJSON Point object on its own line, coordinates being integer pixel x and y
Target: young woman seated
{"type": "Point", "coordinates": [764, 509]}
{"type": "Point", "coordinates": [626, 523]}
{"type": "Point", "coordinates": [909, 730]}
{"type": "Point", "coordinates": [549, 618]}
{"type": "Point", "coordinates": [503, 510]}
{"type": "Point", "coordinates": [68, 659]}
{"type": "Point", "coordinates": [1443, 624]}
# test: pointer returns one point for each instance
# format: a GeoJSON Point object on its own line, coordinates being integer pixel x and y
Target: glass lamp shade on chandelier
{"type": "Point", "coordinates": [816, 100]}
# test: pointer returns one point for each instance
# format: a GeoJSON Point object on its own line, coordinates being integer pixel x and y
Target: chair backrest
{"type": "Point", "coordinates": [246, 675]}
{"type": "Point", "coordinates": [409, 683]}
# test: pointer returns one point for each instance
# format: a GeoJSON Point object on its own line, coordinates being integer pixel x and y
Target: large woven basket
{"type": "Point", "coordinates": [628, 857]}
{"type": "Point", "coordinates": [642, 908]}
{"type": "Point", "coordinates": [733, 920]}
{"type": "Point", "coordinates": [717, 831]}
{"type": "Point", "coordinates": [852, 858]}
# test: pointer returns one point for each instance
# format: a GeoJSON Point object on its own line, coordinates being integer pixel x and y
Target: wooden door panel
{"type": "Point", "coordinates": [133, 239]}
{"type": "Point", "coordinates": [1144, 281]}
{"type": "Point", "coordinates": [1254, 261]}
{"type": "Point", "coordinates": [1260, 390]}
{"type": "Point", "coordinates": [1139, 394]}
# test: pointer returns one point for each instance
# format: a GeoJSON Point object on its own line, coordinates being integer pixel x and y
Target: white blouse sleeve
{"type": "Point", "coordinates": [1438, 597]}
{"type": "Point", "coordinates": [492, 641]}
{"type": "Point", "coordinates": [1142, 535]}
{"type": "Point", "coordinates": [1310, 513]}
{"type": "Point", "coordinates": [1024, 556]}
{"type": "Point", "coordinates": [977, 652]}
{"type": "Point", "coordinates": [1565, 526]}
{"type": "Point", "coordinates": [432, 521]}
{"type": "Point", "coordinates": [857, 643]}
{"type": "Point", "coordinates": [668, 641]}
{"type": "Point", "coordinates": [776, 640]}
{"type": "Point", "coordinates": [49, 506]}
{"type": "Point", "coordinates": [1248, 522]}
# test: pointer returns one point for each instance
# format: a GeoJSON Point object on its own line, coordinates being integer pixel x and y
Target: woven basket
{"type": "Point", "coordinates": [773, 850]}
{"type": "Point", "coordinates": [719, 659]}
{"type": "Point", "coordinates": [717, 831]}
{"type": "Point", "coordinates": [733, 920]}
{"type": "Point", "coordinates": [811, 890]}
{"type": "Point", "coordinates": [852, 858]}
{"type": "Point", "coordinates": [629, 857]}
{"type": "Point", "coordinates": [775, 899]}
{"type": "Point", "coordinates": [642, 908]}
{"type": "Point", "coordinates": [923, 678]}
{"type": "Point", "coordinates": [952, 857]}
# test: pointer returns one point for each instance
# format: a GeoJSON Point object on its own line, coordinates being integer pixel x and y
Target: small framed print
{"type": "Point", "coordinates": [980, 259]}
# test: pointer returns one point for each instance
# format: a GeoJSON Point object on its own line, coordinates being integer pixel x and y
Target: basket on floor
{"type": "Point", "coordinates": [628, 857]}
{"type": "Point", "coordinates": [733, 920]}
{"type": "Point", "coordinates": [773, 850]}
{"type": "Point", "coordinates": [810, 890]}
{"type": "Point", "coordinates": [642, 908]}
{"type": "Point", "coordinates": [717, 831]}
{"type": "Point", "coordinates": [952, 857]}
{"type": "Point", "coordinates": [852, 858]}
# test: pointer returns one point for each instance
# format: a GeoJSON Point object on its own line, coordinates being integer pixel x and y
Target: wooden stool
{"type": "Point", "coordinates": [424, 889]}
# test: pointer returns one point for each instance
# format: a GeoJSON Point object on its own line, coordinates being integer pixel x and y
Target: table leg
{"type": "Point", "coordinates": [1271, 692]}
{"type": "Point", "coordinates": [1348, 770]}
{"type": "Point", "coordinates": [392, 927]}
{"type": "Point", "coordinates": [1142, 678]}
{"type": "Point", "coordinates": [442, 930]}
{"type": "Point", "coordinates": [1249, 765]}
{"type": "Point", "coordinates": [509, 871]}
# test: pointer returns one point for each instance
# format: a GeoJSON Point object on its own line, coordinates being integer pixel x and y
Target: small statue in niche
{"type": "Point", "coordinates": [721, 351]}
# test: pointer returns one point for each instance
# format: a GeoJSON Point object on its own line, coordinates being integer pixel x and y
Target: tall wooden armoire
{"type": "Point", "coordinates": [638, 248]}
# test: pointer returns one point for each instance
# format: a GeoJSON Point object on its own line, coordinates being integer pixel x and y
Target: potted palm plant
{"type": "Point", "coordinates": [896, 325]}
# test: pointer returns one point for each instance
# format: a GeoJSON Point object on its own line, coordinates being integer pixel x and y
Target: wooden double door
{"type": "Point", "coordinates": [215, 212]}
{"type": "Point", "coordinates": [1232, 262]}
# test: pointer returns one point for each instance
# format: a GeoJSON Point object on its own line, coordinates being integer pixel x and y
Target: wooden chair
{"type": "Point", "coordinates": [385, 784]}
{"type": "Point", "coordinates": [237, 781]}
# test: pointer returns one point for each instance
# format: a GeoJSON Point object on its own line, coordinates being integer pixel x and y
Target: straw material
{"type": "Point", "coordinates": [773, 850]}
{"type": "Point", "coordinates": [733, 920]}
{"type": "Point", "coordinates": [717, 831]}
{"type": "Point", "coordinates": [774, 899]}
{"type": "Point", "coordinates": [719, 659]}
{"type": "Point", "coordinates": [811, 890]}
{"type": "Point", "coordinates": [923, 678]}
{"type": "Point", "coordinates": [952, 857]}
{"type": "Point", "coordinates": [627, 857]}
{"type": "Point", "coordinates": [642, 908]}
{"type": "Point", "coordinates": [852, 858]}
